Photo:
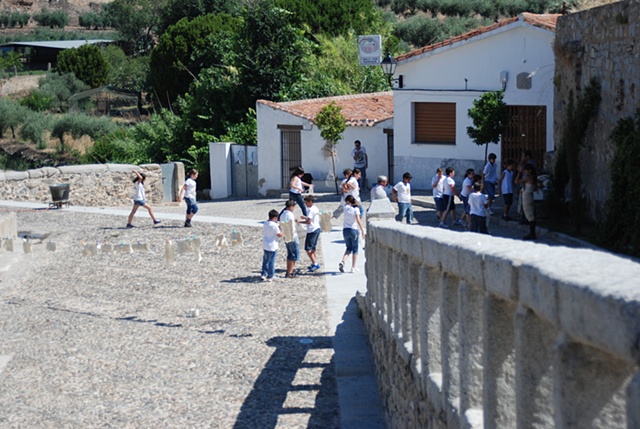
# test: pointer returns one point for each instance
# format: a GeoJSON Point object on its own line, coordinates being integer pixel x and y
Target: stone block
{"type": "Point", "coordinates": [16, 175]}
{"type": "Point", "coordinates": [83, 169]}
{"type": "Point", "coordinates": [35, 174]}
{"type": "Point", "coordinates": [121, 168]}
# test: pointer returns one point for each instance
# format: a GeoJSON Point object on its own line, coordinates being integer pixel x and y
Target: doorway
{"type": "Point", "coordinates": [291, 151]}
{"type": "Point", "coordinates": [527, 130]}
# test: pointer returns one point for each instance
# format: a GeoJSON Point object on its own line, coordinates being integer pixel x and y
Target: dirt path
{"type": "Point", "coordinates": [18, 84]}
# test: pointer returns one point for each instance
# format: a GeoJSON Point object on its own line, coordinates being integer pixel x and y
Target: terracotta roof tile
{"type": "Point", "coordinates": [546, 21]}
{"type": "Point", "coordinates": [360, 110]}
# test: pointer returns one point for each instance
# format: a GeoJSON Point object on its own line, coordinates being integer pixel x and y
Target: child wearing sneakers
{"type": "Point", "coordinates": [188, 191]}
{"type": "Point", "coordinates": [350, 232]}
{"type": "Point", "coordinates": [312, 221]}
{"type": "Point", "coordinates": [139, 200]}
{"type": "Point", "coordinates": [293, 246]}
{"type": "Point", "coordinates": [467, 185]}
{"type": "Point", "coordinates": [448, 194]}
{"type": "Point", "coordinates": [271, 232]}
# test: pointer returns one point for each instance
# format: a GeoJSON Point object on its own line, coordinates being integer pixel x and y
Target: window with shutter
{"type": "Point", "coordinates": [434, 123]}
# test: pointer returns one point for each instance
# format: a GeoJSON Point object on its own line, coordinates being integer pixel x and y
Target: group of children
{"type": "Point", "coordinates": [477, 204]}
{"type": "Point", "coordinates": [272, 232]}
{"type": "Point", "coordinates": [187, 192]}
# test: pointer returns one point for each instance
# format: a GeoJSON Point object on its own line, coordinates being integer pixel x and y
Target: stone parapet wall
{"type": "Point", "coordinates": [90, 185]}
{"type": "Point", "coordinates": [474, 331]}
{"type": "Point", "coordinates": [598, 43]}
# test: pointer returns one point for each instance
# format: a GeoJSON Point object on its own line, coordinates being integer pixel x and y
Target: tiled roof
{"type": "Point", "coordinates": [360, 110]}
{"type": "Point", "coordinates": [546, 21]}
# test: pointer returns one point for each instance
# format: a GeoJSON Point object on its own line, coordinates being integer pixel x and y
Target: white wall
{"type": "Point", "coordinates": [440, 76]}
{"type": "Point", "coordinates": [269, 153]}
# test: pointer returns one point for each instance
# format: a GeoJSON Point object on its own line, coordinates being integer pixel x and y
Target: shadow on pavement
{"type": "Point", "coordinates": [283, 393]}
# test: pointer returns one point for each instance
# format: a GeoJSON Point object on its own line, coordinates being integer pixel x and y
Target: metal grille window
{"type": "Point", "coordinates": [291, 154]}
{"type": "Point", "coordinates": [434, 123]}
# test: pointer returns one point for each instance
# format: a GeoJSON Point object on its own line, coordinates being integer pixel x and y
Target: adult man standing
{"type": "Point", "coordinates": [378, 191]}
{"type": "Point", "coordinates": [361, 162]}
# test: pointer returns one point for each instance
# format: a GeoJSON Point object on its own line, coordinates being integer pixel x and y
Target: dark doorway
{"type": "Point", "coordinates": [527, 130]}
{"type": "Point", "coordinates": [291, 154]}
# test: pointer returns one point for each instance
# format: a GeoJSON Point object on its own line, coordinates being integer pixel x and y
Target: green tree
{"type": "Point", "coordinates": [271, 51]}
{"type": "Point", "coordinates": [12, 115]}
{"type": "Point", "coordinates": [177, 59]}
{"type": "Point", "coordinates": [52, 18]}
{"type": "Point", "coordinates": [175, 10]}
{"type": "Point", "coordinates": [126, 72]}
{"type": "Point", "coordinates": [78, 124]}
{"type": "Point", "coordinates": [86, 62]}
{"type": "Point", "coordinates": [136, 22]}
{"type": "Point", "coordinates": [333, 17]}
{"type": "Point", "coordinates": [11, 61]}
{"type": "Point", "coordinates": [331, 123]}
{"type": "Point", "coordinates": [490, 116]}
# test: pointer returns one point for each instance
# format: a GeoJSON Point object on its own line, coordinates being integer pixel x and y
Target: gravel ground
{"type": "Point", "coordinates": [108, 341]}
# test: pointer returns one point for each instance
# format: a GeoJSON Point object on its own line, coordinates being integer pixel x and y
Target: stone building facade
{"type": "Point", "coordinates": [600, 43]}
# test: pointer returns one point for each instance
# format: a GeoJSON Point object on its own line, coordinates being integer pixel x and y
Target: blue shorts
{"type": "Point", "coordinates": [440, 204]}
{"type": "Point", "coordinates": [351, 239]}
{"type": "Point", "coordinates": [465, 202]}
{"type": "Point", "coordinates": [490, 187]}
{"type": "Point", "coordinates": [139, 202]}
{"type": "Point", "coordinates": [192, 207]}
{"type": "Point", "coordinates": [311, 241]}
{"type": "Point", "coordinates": [293, 250]}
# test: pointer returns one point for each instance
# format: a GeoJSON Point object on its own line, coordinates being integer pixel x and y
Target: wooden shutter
{"type": "Point", "coordinates": [435, 123]}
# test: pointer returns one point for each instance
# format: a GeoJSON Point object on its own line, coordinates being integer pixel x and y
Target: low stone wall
{"type": "Point", "coordinates": [90, 185]}
{"type": "Point", "coordinates": [474, 331]}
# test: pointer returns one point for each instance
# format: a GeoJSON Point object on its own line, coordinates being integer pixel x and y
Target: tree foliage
{"type": "Point", "coordinates": [136, 22]}
{"type": "Point", "coordinates": [129, 73]}
{"type": "Point", "coordinates": [78, 124]}
{"type": "Point", "coordinates": [620, 229]}
{"type": "Point", "coordinates": [333, 17]}
{"type": "Point", "coordinates": [490, 116]}
{"type": "Point", "coordinates": [86, 62]}
{"type": "Point", "coordinates": [331, 123]}
{"type": "Point", "coordinates": [177, 59]}
{"type": "Point", "coordinates": [59, 87]}
{"type": "Point", "coordinates": [12, 115]}
{"type": "Point", "coordinates": [11, 61]}
{"type": "Point", "coordinates": [175, 10]}
{"type": "Point", "coordinates": [52, 18]}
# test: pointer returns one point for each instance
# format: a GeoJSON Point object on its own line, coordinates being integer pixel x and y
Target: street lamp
{"type": "Point", "coordinates": [388, 65]}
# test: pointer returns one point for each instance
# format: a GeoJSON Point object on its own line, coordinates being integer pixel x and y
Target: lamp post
{"type": "Point", "coordinates": [388, 65]}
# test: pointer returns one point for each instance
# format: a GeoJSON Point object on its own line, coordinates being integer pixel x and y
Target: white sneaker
{"type": "Point", "coordinates": [459, 222]}
{"type": "Point", "coordinates": [443, 225]}
{"type": "Point", "coordinates": [354, 270]}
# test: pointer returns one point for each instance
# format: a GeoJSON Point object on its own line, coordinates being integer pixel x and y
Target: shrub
{"type": "Point", "coordinates": [117, 147]}
{"type": "Point", "coordinates": [60, 87]}
{"type": "Point", "coordinates": [34, 128]}
{"type": "Point", "coordinates": [78, 124]}
{"type": "Point", "coordinates": [37, 101]}
{"type": "Point", "coordinates": [418, 30]}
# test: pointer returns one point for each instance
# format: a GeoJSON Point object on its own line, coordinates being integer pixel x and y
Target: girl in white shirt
{"type": "Point", "coordinates": [188, 192]}
{"type": "Point", "coordinates": [350, 232]}
{"type": "Point", "coordinates": [139, 200]}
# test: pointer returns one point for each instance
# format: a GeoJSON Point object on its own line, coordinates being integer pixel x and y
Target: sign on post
{"type": "Point", "coordinates": [370, 49]}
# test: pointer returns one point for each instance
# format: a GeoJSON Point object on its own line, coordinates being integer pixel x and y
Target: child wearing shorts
{"type": "Point", "coordinates": [312, 221]}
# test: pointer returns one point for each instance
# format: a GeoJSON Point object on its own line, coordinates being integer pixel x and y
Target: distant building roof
{"type": "Point", "coordinates": [545, 21]}
{"type": "Point", "coordinates": [59, 44]}
{"type": "Point", "coordinates": [360, 110]}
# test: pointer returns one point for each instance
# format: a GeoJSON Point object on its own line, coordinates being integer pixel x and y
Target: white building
{"type": "Point", "coordinates": [441, 81]}
{"type": "Point", "coordinates": [288, 137]}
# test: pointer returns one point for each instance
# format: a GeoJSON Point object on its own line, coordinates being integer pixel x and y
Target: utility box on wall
{"type": "Point", "coordinates": [172, 180]}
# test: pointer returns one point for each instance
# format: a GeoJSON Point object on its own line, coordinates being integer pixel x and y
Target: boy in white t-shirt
{"type": "Point", "coordinates": [293, 246]}
{"type": "Point", "coordinates": [477, 205]}
{"type": "Point", "coordinates": [402, 195]}
{"type": "Point", "coordinates": [312, 221]}
{"type": "Point", "coordinates": [437, 184]}
{"type": "Point", "coordinates": [448, 195]}
{"type": "Point", "coordinates": [271, 232]}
